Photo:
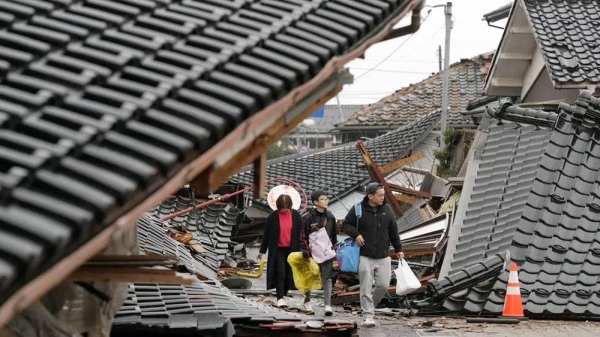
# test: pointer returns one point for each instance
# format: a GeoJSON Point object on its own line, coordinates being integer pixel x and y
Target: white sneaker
{"type": "Point", "coordinates": [368, 322]}
{"type": "Point", "coordinates": [328, 310]}
{"type": "Point", "coordinates": [281, 303]}
{"type": "Point", "coordinates": [307, 307]}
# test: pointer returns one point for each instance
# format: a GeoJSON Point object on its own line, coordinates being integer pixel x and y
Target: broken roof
{"type": "Point", "coordinates": [341, 170]}
{"type": "Point", "coordinates": [408, 104]}
{"type": "Point", "coordinates": [548, 221]}
{"type": "Point", "coordinates": [108, 107]}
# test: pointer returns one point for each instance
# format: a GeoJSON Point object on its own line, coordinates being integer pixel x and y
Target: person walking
{"type": "Point", "coordinates": [376, 229]}
{"type": "Point", "coordinates": [317, 218]}
{"type": "Point", "coordinates": [281, 237]}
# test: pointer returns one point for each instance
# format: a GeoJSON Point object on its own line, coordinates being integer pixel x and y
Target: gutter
{"type": "Point", "coordinates": [415, 24]}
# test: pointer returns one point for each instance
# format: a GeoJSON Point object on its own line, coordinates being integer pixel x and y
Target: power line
{"type": "Point", "coordinates": [392, 53]}
{"type": "Point", "coordinates": [394, 71]}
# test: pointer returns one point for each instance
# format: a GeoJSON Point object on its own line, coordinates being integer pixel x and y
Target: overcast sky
{"type": "Point", "coordinates": [412, 59]}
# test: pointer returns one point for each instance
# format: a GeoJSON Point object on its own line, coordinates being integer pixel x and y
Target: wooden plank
{"type": "Point", "coordinates": [405, 198]}
{"type": "Point", "coordinates": [404, 190]}
{"type": "Point", "coordinates": [402, 162]}
{"type": "Point", "coordinates": [378, 177]}
{"type": "Point", "coordinates": [260, 172]}
{"type": "Point", "coordinates": [130, 275]}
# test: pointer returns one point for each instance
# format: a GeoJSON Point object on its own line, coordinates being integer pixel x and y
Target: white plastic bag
{"type": "Point", "coordinates": [406, 281]}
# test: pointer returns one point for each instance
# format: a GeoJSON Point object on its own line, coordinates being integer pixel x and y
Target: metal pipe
{"type": "Point", "coordinates": [227, 196]}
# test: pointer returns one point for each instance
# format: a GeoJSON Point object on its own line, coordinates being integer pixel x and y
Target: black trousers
{"type": "Point", "coordinates": [283, 272]}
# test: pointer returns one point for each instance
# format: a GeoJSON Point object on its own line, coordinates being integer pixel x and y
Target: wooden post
{"type": "Point", "coordinates": [260, 170]}
{"type": "Point", "coordinates": [378, 177]}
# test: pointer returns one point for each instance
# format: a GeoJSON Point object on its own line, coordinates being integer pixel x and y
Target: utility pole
{"type": "Point", "coordinates": [440, 58]}
{"type": "Point", "coordinates": [340, 108]}
{"type": "Point", "coordinates": [448, 12]}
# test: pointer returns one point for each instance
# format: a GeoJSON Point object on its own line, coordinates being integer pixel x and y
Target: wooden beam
{"type": "Point", "coordinates": [515, 56]}
{"type": "Point", "coordinates": [415, 170]}
{"type": "Point", "coordinates": [130, 275]}
{"type": "Point", "coordinates": [402, 162]}
{"type": "Point", "coordinates": [378, 177]}
{"type": "Point", "coordinates": [511, 82]}
{"type": "Point", "coordinates": [404, 190]}
{"type": "Point", "coordinates": [260, 171]}
{"type": "Point", "coordinates": [405, 198]}
{"type": "Point", "coordinates": [213, 177]}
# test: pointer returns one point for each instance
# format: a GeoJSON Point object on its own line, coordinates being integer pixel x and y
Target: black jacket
{"type": "Point", "coordinates": [378, 228]}
{"type": "Point", "coordinates": [271, 239]}
{"type": "Point", "coordinates": [326, 219]}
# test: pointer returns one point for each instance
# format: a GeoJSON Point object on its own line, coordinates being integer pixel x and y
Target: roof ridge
{"type": "Point", "coordinates": [515, 113]}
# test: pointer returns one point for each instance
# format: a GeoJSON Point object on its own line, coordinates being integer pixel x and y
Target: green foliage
{"type": "Point", "coordinates": [278, 150]}
{"type": "Point", "coordinates": [445, 156]}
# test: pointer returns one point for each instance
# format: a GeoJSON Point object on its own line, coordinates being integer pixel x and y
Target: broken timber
{"type": "Point", "coordinates": [377, 176]}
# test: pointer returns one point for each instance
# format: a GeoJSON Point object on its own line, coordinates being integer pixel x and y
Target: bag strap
{"type": "Point", "coordinates": [358, 212]}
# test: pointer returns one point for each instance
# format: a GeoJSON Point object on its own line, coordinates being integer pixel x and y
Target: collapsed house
{"type": "Point", "coordinates": [109, 107]}
{"type": "Point", "coordinates": [534, 194]}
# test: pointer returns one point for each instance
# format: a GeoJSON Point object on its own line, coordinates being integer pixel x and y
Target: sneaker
{"type": "Point", "coordinates": [281, 303]}
{"type": "Point", "coordinates": [307, 307]}
{"type": "Point", "coordinates": [368, 322]}
{"type": "Point", "coordinates": [328, 310]}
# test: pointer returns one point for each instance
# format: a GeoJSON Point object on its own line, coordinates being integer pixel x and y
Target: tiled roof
{"type": "Point", "coordinates": [102, 101]}
{"type": "Point", "coordinates": [507, 167]}
{"type": "Point", "coordinates": [554, 239]}
{"type": "Point", "coordinates": [341, 170]}
{"type": "Point", "coordinates": [406, 105]}
{"type": "Point", "coordinates": [566, 33]}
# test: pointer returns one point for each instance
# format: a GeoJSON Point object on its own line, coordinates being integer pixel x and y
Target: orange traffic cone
{"type": "Point", "coordinates": [513, 305]}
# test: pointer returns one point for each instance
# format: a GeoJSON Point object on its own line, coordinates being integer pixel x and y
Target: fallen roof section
{"type": "Point", "coordinates": [103, 118]}
{"type": "Point", "coordinates": [550, 229]}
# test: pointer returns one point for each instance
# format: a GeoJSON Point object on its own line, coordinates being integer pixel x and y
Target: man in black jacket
{"type": "Point", "coordinates": [376, 229]}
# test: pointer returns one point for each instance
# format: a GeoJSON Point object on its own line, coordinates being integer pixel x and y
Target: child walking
{"type": "Point", "coordinates": [317, 218]}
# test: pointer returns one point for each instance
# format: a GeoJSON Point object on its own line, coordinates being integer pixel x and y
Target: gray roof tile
{"type": "Point", "coordinates": [564, 30]}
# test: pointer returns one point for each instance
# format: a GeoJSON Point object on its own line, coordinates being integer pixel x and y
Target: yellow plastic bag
{"type": "Point", "coordinates": [307, 276]}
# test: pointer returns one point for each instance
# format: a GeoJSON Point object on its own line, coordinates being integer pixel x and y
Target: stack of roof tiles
{"type": "Point", "coordinates": [341, 170]}
{"type": "Point", "coordinates": [212, 225]}
{"type": "Point", "coordinates": [102, 100]}
{"type": "Point", "coordinates": [203, 309]}
{"type": "Point", "coordinates": [548, 220]}
{"type": "Point", "coordinates": [408, 104]}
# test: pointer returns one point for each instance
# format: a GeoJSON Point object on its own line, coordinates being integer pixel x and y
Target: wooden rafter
{"type": "Point", "coordinates": [408, 191]}
{"type": "Point", "coordinates": [377, 176]}
{"type": "Point", "coordinates": [402, 162]}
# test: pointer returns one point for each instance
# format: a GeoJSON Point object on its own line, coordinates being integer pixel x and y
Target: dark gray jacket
{"type": "Point", "coordinates": [378, 228]}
